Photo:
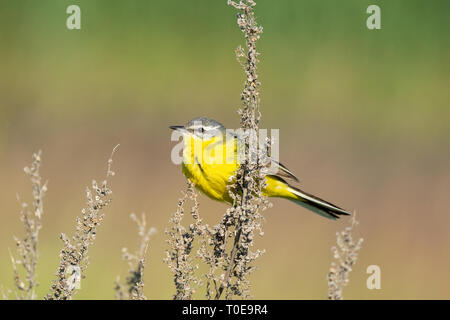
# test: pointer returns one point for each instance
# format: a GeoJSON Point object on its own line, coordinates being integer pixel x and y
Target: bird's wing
{"type": "Point", "coordinates": [282, 171]}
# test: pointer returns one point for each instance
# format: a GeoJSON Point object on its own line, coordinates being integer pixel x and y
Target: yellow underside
{"type": "Point", "coordinates": [212, 177]}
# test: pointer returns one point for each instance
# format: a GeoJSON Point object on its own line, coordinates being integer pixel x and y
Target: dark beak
{"type": "Point", "coordinates": [176, 127]}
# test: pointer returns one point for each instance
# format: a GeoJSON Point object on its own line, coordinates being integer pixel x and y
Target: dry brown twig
{"type": "Point", "coordinates": [243, 219]}
{"type": "Point", "coordinates": [27, 253]}
{"type": "Point", "coordinates": [74, 255]}
{"type": "Point", "coordinates": [136, 262]}
{"type": "Point", "coordinates": [181, 241]}
{"type": "Point", "coordinates": [346, 255]}
{"type": "Point", "coordinates": [226, 248]}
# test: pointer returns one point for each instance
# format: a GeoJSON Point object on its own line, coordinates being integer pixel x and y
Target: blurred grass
{"type": "Point", "coordinates": [363, 118]}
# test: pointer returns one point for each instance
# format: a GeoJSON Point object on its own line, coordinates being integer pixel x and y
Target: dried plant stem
{"type": "Point", "coordinates": [136, 263]}
{"type": "Point", "coordinates": [74, 255]}
{"type": "Point", "coordinates": [226, 248]}
{"type": "Point", "coordinates": [180, 246]}
{"type": "Point", "coordinates": [346, 255]}
{"type": "Point", "coordinates": [230, 266]}
{"type": "Point", "coordinates": [28, 254]}
{"type": "Point", "coordinates": [249, 178]}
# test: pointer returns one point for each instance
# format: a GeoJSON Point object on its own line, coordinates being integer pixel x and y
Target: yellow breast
{"type": "Point", "coordinates": [209, 165]}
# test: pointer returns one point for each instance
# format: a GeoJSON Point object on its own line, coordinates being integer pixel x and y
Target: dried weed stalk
{"type": "Point", "coordinates": [136, 263]}
{"type": "Point", "coordinates": [27, 253]}
{"type": "Point", "coordinates": [181, 241]}
{"type": "Point", "coordinates": [242, 220]}
{"type": "Point", "coordinates": [226, 248]}
{"type": "Point", "coordinates": [346, 255]}
{"type": "Point", "coordinates": [74, 255]}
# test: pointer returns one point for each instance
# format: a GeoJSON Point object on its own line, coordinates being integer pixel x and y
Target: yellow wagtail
{"type": "Point", "coordinates": [209, 164]}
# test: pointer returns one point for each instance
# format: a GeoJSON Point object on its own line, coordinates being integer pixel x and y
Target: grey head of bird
{"type": "Point", "coordinates": [202, 127]}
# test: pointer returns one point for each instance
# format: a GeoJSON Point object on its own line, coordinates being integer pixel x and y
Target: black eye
{"type": "Point", "coordinates": [203, 130]}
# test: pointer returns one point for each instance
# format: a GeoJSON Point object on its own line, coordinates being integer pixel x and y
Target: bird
{"type": "Point", "coordinates": [209, 161]}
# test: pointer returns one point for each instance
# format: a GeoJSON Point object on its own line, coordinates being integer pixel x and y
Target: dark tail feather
{"type": "Point", "coordinates": [317, 205]}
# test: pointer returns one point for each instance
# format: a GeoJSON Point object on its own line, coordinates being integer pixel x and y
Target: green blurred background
{"type": "Point", "coordinates": [363, 117]}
